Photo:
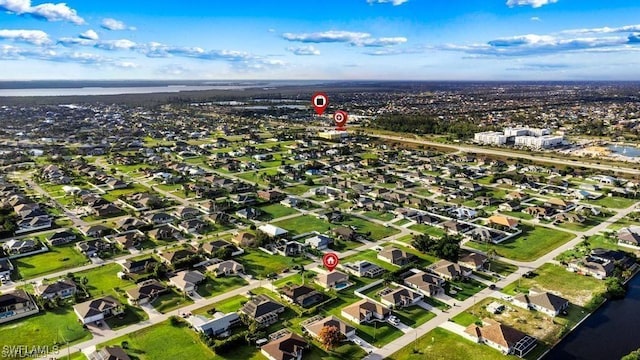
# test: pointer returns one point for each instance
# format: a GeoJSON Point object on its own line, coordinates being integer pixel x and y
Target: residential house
{"type": "Point", "coordinates": [569, 218]}
{"type": "Point", "coordinates": [245, 239]}
{"type": "Point", "coordinates": [319, 242]}
{"type": "Point", "coordinates": [173, 257]}
{"type": "Point", "coordinates": [629, 236]}
{"type": "Point", "coordinates": [427, 284]}
{"type": "Point", "coordinates": [146, 292]}
{"type": "Point", "coordinates": [363, 268]}
{"type": "Point", "coordinates": [218, 326]}
{"type": "Point", "coordinates": [33, 224]}
{"type": "Point", "coordinates": [545, 302]}
{"type": "Point", "coordinates": [109, 353]}
{"type": "Point", "coordinates": [15, 247]}
{"type": "Point", "coordinates": [273, 231]}
{"type": "Point", "coordinates": [95, 231]}
{"type": "Point", "coordinates": [61, 238]}
{"type": "Point", "coordinates": [187, 281]}
{"type": "Point", "coordinates": [288, 347]}
{"type": "Point", "coordinates": [538, 211]}
{"type": "Point", "coordinates": [400, 297]}
{"type": "Point", "coordinates": [510, 206]}
{"type": "Point", "coordinates": [129, 240]}
{"type": "Point", "coordinates": [248, 213]}
{"type": "Point", "coordinates": [365, 311]}
{"type": "Point", "coordinates": [98, 309]}
{"type": "Point", "coordinates": [501, 337]}
{"type": "Point", "coordinates": [263, 310]}
{"type": "Point", "coordinates": [455, 227]}
{"type": "Point", "coordinates": [226, 268]}
{"type": "Point", "coordinates": [93, 248]}
{"type": "Point", "coordinates": [165, 232]}
{"type": "Point", "coordinates": [271, 195]}
{"type": "Point", "coordinates": [450, 271]}
{"type": "Point", "coordinates": [106, 210]}
{"type": "Point", "coordinates": [212, 247]}
{"type": "Point", "coordinates": [291, 202]}
{"type": "Point", "coordinates": [589, 266]}
{"type": "Point", "coordinates": [395, 256]}
{"type": "Point", "coordinates": [60, 289]}
{"type": "Point", "coordinates": [16, 304]}
{"type": "Point", "coordinates": [302, 295]}
{"type": "Point", "coordinates": [139, 266]}
{"type": "Point", "coordinates": [345, 329]}
{"type": "Point", "coordinates": [503, 222]}
{"type": "Point", "coordinates": [159, 218]}
{"type": "Point", "coordinates": [186, 213]}
{"type": "Point", "coordinates": [345, 233]}
{"type": "Point", "coordinates": [193, 226]}
{"type": "Point", "coordinates": [6, 268]}
{"type": "Point", "coordinates": [558, 204]}
{"type": "Point", "coordinates": [333, 280]}
{"type": "Point", "coordinates": [474, 260]}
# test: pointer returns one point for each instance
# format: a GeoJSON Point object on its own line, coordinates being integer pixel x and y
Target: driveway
{"type": "Point", "coordinates": [368, 348]}
{"type": "Point", "coordinates": [150, 310]}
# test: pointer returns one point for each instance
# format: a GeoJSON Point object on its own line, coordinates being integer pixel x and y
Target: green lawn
{"type": "Point", "coordinates": [576, 288]}
{"type": "Point", "coordinates": [427, 229]}
{"type": "Point", "coordinates": [58, 258]}
{"type": "Point", "coordinates": [464, 290]}
{"type": "Point", "coordinates": [44, 329]}
{"type": "Point", "coordinates": [440, 344]}
{"type": "Point", "coordinates": [378, 232]}
{"type": "Point", "coordinates": [425, 259]}
{"type": "Point", "coordinates": [217, 286]}
{"type": "Point", "coordinates": [112, 195]}
{"type": "Point", "coordinates": [171, 301]}
{"type": "Point", "coordinates": [275, 211]}
{"type": "Point", "coordinates": [104, 280]}
{"type": "Point", "coordinates": [402, 222]}
{"type": "Point", "coordinates": [298, 189]}
{"type": "Point", "coordinates": [259, 263]}
{"type": "Point", "coordinates": [414, 316]}
{"type": "Point", "coordinates": [164, 342]}
{"type": "Point", "coordinates": [502, 268]}
{"type": "Point", "coordinates": [296, 279]}
{"type": "Point", "coordinates": [624, 222]}
{"type": "Point", "coordinates": [371, 256]}
{"type": "Point", "coordinates": [422, 191]}
{"type": "Point", "coordinates": [380, 215]}
{"type": "Point", "coordinates": [517, 214]}
{"type": "Point", "coordinates": [304, 224]}
{"type": "Point", "coordinates": [528, 246]}
{"type": "Point", "coordinates": [613, 202]}
{"type": "Point", "coordinates": [465, 319]}
{"type": "Point", "coordinates": [231, 304]}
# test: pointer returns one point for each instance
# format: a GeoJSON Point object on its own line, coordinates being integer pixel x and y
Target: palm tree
{"type": "Point", "coordinates": [491, 255]}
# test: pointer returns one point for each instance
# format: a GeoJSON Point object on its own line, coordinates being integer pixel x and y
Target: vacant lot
{"type": "Point", "coordinates": [215, 286]}
{"type": "Point", "coordinates": [58, 258]}
{"type": "Point", "coordinates": [304, 224]}
{"type": "Point", "coordinates": [260, 264]}
{"type": "Point", "coordinates": [528, 246]}
{"type": "Point", "coordinates": [275, 211]}
{"type": "Point", "coordinates": [377, 231]}
{"type": "Point", "coordinates": [427, 229]}
{"type": "Point", "coordinates": [613, 202]}
{"type": "Point", "coordinates": [576, 288]}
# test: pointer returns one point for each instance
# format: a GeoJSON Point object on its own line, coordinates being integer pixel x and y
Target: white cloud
{"type": "Point", "coordinates": [604, 30]}
{"type": "Point", "coordinates": [115, 25]}
{"type": "Point", "coordinates": [304, 50]}
{"type": "Point", "coordinates": [393, 2]}
{"type": "Point", "coordinates": [89, 35]}
{"type": "Point", "coordinates": [349, 37]}
{"type": "Point", "coordinates": [69, 41]}
{"type": "Point", "coordinates": [121, 44]}
{"type": "Point", "coordinates": [535, 18]}
{"type": "Point", "coordinates": [45, 11]}
{"type": "Point", "coordinates": [532, 3]}
{"type": "Point", "coordinates": [35, 37]}
{"type": "Point", "coordinates": [8, 52]}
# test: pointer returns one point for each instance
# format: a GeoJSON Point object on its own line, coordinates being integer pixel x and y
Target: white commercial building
{"type": "Point", "coordinates": [540, 142]}
{"type": "Point", "coordinates": [491, 138]}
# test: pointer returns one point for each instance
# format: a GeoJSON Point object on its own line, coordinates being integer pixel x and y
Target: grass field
{"type": "Point", "coordinates": [427, 229]}
{"type": "Point", "coordinates": [259, 263]}
{"type": "Point", "coordinates": [517, 214]}
{"type": "Point", "coordinates": [377, 231]}
{"type": "Point", "coordinates": [576, 288]}
{"type": "Point", "coordinates": [613, 202]}
{"type": "Point", "coordinates": [112, 195]}
{"type": "Point", "coordinates": [528, 246]}
{"type": "Point", "coordinates": [304, 224]}
{"type": "Point", "coordinates": [413, 316]}
{"type": "Point", "coordinates": [380, 215]}
{"type": "Point", "coordinates": [298, 189]}
{"type": "Point", "coordinates": [164, 342]}
{"type": "Point", "coordinates": [275, 211]}
{"type": "Point", "coordinates": [58, 258]}
{"type": "Point", "coordinates": [440, 344]}
{"type": "Point", "coordinates": [104, 280]}
{"type": "Point", "coordinates": [216, 286]}
{"type": "Point", "coordinates": [44, 329]}
{"type": "Point", "coordinates": [171, 301]}
{"type": "Point", "coordinates": [624, 222]}
{"type": "Point", "coordinates": [231, 304]}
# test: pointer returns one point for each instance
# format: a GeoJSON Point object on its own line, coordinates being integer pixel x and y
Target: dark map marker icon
{"type": "Point", "coordinates": [319, 101]}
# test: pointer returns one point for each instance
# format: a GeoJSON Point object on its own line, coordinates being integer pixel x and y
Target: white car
{"type": "Point", "coordinates": [357, 341]}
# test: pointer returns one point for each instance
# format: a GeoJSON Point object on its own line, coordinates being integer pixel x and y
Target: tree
{"type": "Point", "coordinates": [634, 355]}
{"type": "Point", "coordinates": [615, 288]}
{"type": "Point", "coordinates": [330, 337]}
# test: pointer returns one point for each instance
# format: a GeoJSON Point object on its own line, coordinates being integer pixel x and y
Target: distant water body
{"type": "Point", "coordinates": [608, 334]}
{"type": "Point", "coordinates": [625, 150]}
{"type": "Point", "coordinates": [119, 88]}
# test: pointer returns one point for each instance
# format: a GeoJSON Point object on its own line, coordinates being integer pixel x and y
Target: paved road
{"type": "Point", "coordinates": [507, 153]}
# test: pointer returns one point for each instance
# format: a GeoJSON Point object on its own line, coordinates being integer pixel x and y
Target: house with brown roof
{"type": "Point", "coordinates": [289, 347]}
{"type": "Point", "coordinates": [365, 311]}
{"type": "Point", "coordinates": [98, 309]}
{"type": "Point", "coordinates": [473, 260]}
{"type": "Point", "coordinates": [345, 329]}
{"type": "Point", "coordinates": [542, 301]}
{"type": "Point", "coordinates": [503, 222]}
{"type": "Point", "coordinates": [245, 239]}
{"type": "Point", "coordinates": [60, 289]}
{"type": "Point", "coordinates": [629, 236]}
{"type": "Point", "coordinates": [263, 309]}
{"type": "Point", "coordinates": [187, 281]}
{"type": "Point", "coordinates": [16, 304]}
{"type": "Point", "coordinates": [271, 195]}
{"type": "Point", "coordinates": [427, 284]}
{"type": "Point", "coordinates": [109, 353]}
{"type": "Point", "coordinates": [450, 271]}
{"type": "Point", "coordinates": [145, 292]}
{"type": "Point", "coordinates": [395, 256]}
{"type": "Point", "coordinates": [501, 337]}
{"type": "Point", "coordinates": [400, 298]}
{"type": "Point", "coordinates": [226, 268]}
{"type": "Point", "coordinates": [302, 295]}
{"type": "Point", "coordinates": [172, 257]}
{"type": "Point", "coordinates": [333, 280]}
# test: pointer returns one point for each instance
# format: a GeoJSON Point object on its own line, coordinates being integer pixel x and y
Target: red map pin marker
{"type": "Point", "coordinates": [330, 261]}
{"type": "Point", "coordinates": [319, 101]}
{"type": "Point", "coordinates": [340, 117]}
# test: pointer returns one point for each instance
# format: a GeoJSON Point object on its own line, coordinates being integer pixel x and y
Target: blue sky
{"type": "Point", "coordinates": [331, 39]}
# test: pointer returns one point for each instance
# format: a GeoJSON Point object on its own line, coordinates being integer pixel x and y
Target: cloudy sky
{"type": "Point", "coordinates": [330, 39]}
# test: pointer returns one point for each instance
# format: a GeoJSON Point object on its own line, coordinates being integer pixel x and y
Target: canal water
{"type": "Point", "coordinates": [625, 150]}
{"type": "Point", "coordinates": [610, 333]}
